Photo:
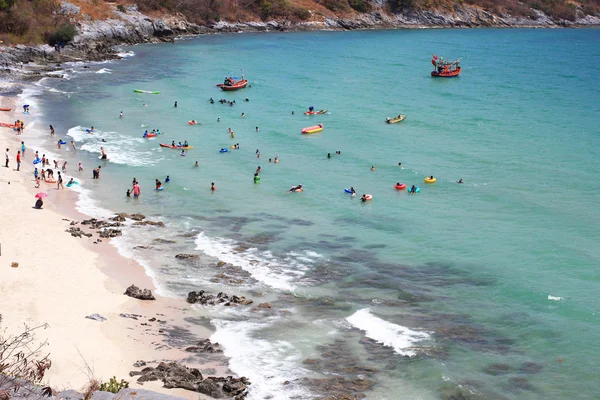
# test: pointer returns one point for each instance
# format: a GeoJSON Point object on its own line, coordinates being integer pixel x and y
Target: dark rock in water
{"type": "Point", "coordinates": [530, 368]}
{"type": "Point", "coordinates": [137, 293]}
{"type": "Point", "coordinates": [220, 264]}
{"type": "Point", "coordinates": [339, 386]}
{"type": "Point", "coordinates": [163, 241]}
{"type": "Point", "coordinates": [184, 256]}
{"type": "Point", "coordinates": [137, 217]}
{"type": "Point", "coordinates": [497, 369]}
{"type": "Point", "coordinates": [265, 305]}
{"type": "Point", "coordinates": [142, 247]}
{"type": "Point", "coordinates": [175, 375]}
{"type": "Point", "coordinates": [109, 233]}
{"type": "Point", "coordinates": [120, 217]}
{"type": "Point", "coordinates": [77, 232]}
{"type": "Point", "coordinates": [204, 298]}
{"type": "Point", "coordinates": [262, 238]}
{"type": "Point", "coordinates": [205, 346]}
{"type": "Point", "coordinates": [450, 391]}
{"type": "Point", "coordinates": [96, 317]}
{"type": "Point", "coordinates": [300, 222]}
{"type": "Point", "coordinates": [519, 382]}
{"type": "Point", "coordinates": [153, 223]}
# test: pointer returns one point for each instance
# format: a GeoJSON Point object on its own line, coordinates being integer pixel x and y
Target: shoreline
{"type": "Point", "coordinates": [62, 279]}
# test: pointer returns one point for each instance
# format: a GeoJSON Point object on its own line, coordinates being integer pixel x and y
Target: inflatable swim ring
{"type": "Point", "coordinates": [50, 180]}
{"type": "Point", "coordinates": [417, 190]}
{"type": "Point", "coordinates": [72, 183]}
{"type": "Point", "coordinates": [257, 179]}
{"type": "Point", "coordinates": [89, 131]}
{"type": "Point", "coordinates": [192, 122]}
{"type": "Point", "coordinates": [429, 180]}
{"type": "Point", "coordinates": [401, 186]}
{"type": "Point", "coordinates": [37, 161]}
{"type": "Point", "coordinates": [62, 142]}
{"type": "Point", "coordinates": [160, 188]}
{"type": "Point", "coordinates": [347, 190]}
{"type": "Point", "coordinates": [367, 197]}
{"type": "Point", "coordinates": [223, 151]}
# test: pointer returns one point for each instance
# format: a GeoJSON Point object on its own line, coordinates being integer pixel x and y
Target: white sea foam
{"type": "Point", "coordinates": [267, 363]}
{"type": "Point", "coordinates": [263, 266]}
{"type": "Point", "coordinates": [555, 298]}
{"type": "Point", "coordinates": [391, 335]}
{"type": "Point", "coordinates": [119, 148]}
{"type": "Point", "coordinates": [125, 54]}
{"type": "Point", "coordinates": [104, 71]}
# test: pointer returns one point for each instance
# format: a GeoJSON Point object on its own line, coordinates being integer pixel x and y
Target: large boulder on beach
{"type": "Point", "coordinates": [140, 294]}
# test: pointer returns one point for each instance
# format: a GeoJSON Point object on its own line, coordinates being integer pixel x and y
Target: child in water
{"type": "Point", "coordinates": [212, 186]}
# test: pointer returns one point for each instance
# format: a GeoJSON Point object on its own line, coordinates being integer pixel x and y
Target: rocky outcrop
{"type": "Point", "coordinates": [208, 299]}
{"type": "Point", "coordinates": [77, 232]}
{"type": "Point", "coordinates": [205, 346]}
{"type": "Point", "coordinates": [140, 294]}
{"type": "Point", "coordinates": [174, 375]}
{"type": "Point", "coordinates": [184, 256]}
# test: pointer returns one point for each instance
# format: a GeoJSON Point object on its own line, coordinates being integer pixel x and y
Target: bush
{"type": "Point", "coordinates": [336, 5]}
{"type": "Point", "coordinates": [361, 6]}
{"type": "Point", "coordinates": [64, 33]}
{"type": "Point", "coordinates": [121, 8]}
{"type": "Point", "coordinates": [113, 386]}
{"type": "Point", "coordinates": [302, 13]}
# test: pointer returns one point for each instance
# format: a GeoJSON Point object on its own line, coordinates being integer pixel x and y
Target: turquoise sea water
{"type": "Point", "coordinates": [479, 288]}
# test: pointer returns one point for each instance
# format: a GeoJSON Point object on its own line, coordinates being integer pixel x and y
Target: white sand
{"type": "Point", "coordinates": [60, 280]}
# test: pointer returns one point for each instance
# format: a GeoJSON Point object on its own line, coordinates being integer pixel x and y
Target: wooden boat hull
{"type": "Point", "coordinates": [238, 85]}
{"type": "Point", "coordinates": [446, 74]}
{"type": "Point", "coordinates": [395, 120]}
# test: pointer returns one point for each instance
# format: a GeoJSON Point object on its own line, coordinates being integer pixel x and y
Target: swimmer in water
{"type": "Point", "coordinates": [400, 164]}
{"type": "Point", "coordinates": [218, 119]}
{"type": "Point", "coordinates": [212, 186]}
{"type": "Point", "coordinates": [121, 114]}
{"type": "Point", "coordinates": [328, 155]}
{"type": "Point", "coordinates": [460, 181]}
{"type": "Point", "coordinates": [297, 188]}
{"type": "Point", "coordinates": [158, 184]}
{"type": "Point", "coordinates": [353, 192]}
{"type": "Point", "coordinates": [182, 152]}
{"type": "Point", "coordinates": [243, 115]}
{"type": "Point", "coordinates": [196, 165]}
{"type": "Point", "coordinates": [175, 105]}
{"type": "Point", "coordinates": [258, 170]}
{"type": "Point", "coordinates": [372, 168]}
{"type": "Point", "coordinates": [104, 157]}
{"type": "Point", "coordinates": [173, 143]}
{"type": "Point", "coordinates": [167, 179]}
{"type": "Point", "coordinates": [413, 189]}
{"type": "Point", "coordinates": [363, 197]}
{"type": "Point", "coordinates": [276, 160]}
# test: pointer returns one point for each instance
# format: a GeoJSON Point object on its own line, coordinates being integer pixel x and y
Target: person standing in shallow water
{"type": "Point", "coordinates": [136, 190]}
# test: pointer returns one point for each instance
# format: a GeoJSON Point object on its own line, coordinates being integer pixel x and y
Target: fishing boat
{"type": "Point", "coordinates": [230, 83]}
{"type": "Point", "coordinates": [399, 118]}
{"type": "Point", "coordinates": [445, 68]}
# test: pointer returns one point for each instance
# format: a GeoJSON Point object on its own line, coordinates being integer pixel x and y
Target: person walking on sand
{"type": "Point", "coordinates": [136, 190]}
{"type": "Point", "coordinates": [23, 149]}
{"type": "Point", "coordinates": [7, 157]}
{"type": "Point", "coordinates": [59, 182]}
{"type": "Point", "coordinates": [18, 160]}
{"type": "Point", "coordinates": [51, 130]}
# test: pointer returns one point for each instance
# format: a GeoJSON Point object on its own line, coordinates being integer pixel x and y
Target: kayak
{"type": "Point", "coordinates": [145, 91]}
{"type": "Point", "coordinates": [149, 135]}
{"type": "Point", "coordinates": [175, 147]}
{"type": "Point", "coordinates": [394, 120]}
{"type": "Point", "coordinates": [315, 112]}
{"type": "Point", "coordinates": [5, 109]}
{"type": "Point", "coordinates": [313, 129]}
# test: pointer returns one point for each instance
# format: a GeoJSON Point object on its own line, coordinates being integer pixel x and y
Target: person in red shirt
{"type": "Point", "coordinates": [19, 160]}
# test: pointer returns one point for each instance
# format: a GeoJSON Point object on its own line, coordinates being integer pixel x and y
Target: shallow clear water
{"type": "Point", "coordinates": [481, 286]}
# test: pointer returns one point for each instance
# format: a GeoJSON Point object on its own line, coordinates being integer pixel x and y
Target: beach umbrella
{"type": "Point", "coordinates": [41, 195]}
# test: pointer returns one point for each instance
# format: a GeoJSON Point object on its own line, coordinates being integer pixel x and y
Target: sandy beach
{"type": "Point", "coordinates": [61, 279]}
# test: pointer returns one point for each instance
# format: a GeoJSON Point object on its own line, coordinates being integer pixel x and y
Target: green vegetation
{"type": "Point", "coordinates": [113, 385]}
{"type": "Point", "coordinates": [64, 33]}
{"type": "Point", "coordinates": [121, 8]}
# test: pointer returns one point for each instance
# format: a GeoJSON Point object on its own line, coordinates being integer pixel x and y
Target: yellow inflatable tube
{"type": "Point", "coordinates": [429, 180]}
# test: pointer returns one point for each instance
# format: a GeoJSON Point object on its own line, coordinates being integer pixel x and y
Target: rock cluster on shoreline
{"type": "Point", "coordinates": [175, 375]}
{"type": "Point", "coordinates": [201, 297]}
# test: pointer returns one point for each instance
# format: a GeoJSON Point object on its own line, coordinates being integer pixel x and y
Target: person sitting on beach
{"type": "Point", "coordinates": [158, 184]}
{"type": "Point", "coordinates": [38, 204]}
{"type": "Point", "coordinates": [297, 188]}
{"type": "Point", "coordinates": [460, 181]}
